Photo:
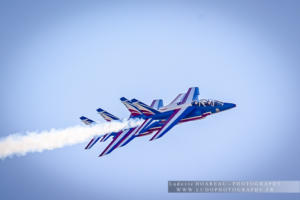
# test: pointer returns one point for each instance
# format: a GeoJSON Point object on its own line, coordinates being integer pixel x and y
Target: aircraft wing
{"type": "Point", "coordinates": [124, 137]}
{"type": "Point", "coordinates": [93, 141]}
{"type": "Point", "coordinates": [117, 140]}
{"type": "Point", "coordinates": [176, 116]}
{"type": "Point", "coordinates": [136, 132]}
{"type": "Point", "coordinates": [100, 138]}
{"type": "Point", "coordinates": [144, 108]}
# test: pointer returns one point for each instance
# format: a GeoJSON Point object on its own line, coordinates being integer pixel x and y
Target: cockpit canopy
{"type": "Point", "coordinates": [207, 102]}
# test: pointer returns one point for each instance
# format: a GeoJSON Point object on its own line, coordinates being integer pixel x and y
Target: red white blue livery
{"type": "Point", "coordinates": [157, 118]}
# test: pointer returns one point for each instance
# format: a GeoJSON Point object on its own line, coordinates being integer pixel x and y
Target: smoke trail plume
{"type": "Point", "coordinates": [17, 144]}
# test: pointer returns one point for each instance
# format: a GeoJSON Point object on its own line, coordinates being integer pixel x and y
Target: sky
{"type": "Point", "coordinates": [63, 59]}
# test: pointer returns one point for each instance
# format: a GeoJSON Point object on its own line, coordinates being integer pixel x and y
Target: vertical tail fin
{"type": "Point", "coordinates": [106, 115]}
{"type": "Point", "coordinates": [86, 120]}
{"type": "Point", "coordinates": [191, 95]}
{"type": "Point", "coordinates": [132, 109]}
{"type": "Point", "coordinates": [157, 104]}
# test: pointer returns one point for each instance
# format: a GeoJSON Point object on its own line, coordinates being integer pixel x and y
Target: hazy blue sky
{"type": "Point", "coordinates": [63, 59]}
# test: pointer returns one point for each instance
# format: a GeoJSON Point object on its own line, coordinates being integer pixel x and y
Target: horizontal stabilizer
{"type": "Point", "coordinates": [145, 109]}
{"type": "Point", "coordinates": [132, 108]}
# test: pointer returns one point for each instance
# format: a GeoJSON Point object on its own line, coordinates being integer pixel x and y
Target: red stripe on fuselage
{"type": "Point", "coordinates": [194, 118]}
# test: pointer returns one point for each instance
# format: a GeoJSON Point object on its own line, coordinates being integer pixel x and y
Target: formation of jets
{"type": "Point", "coordinates": [157, 118]}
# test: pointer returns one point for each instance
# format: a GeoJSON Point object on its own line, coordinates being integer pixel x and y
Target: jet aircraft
{"type": "Point", "coordinates": [157, 118]}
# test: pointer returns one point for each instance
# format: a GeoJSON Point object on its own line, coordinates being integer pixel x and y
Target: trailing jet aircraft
{"type": "Point", "coordinates": [157, 119]}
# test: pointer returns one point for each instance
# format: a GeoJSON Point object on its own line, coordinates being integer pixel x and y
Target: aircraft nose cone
{"type": "Point", "coordinates": [230, 105]}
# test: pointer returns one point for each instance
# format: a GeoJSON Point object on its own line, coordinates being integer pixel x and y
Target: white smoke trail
{"type": "Point", "coordinates": [17, 144]}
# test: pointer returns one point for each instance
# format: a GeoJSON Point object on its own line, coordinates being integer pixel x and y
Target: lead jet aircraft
{"type": "Point", "coordinates": [157, 119]}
